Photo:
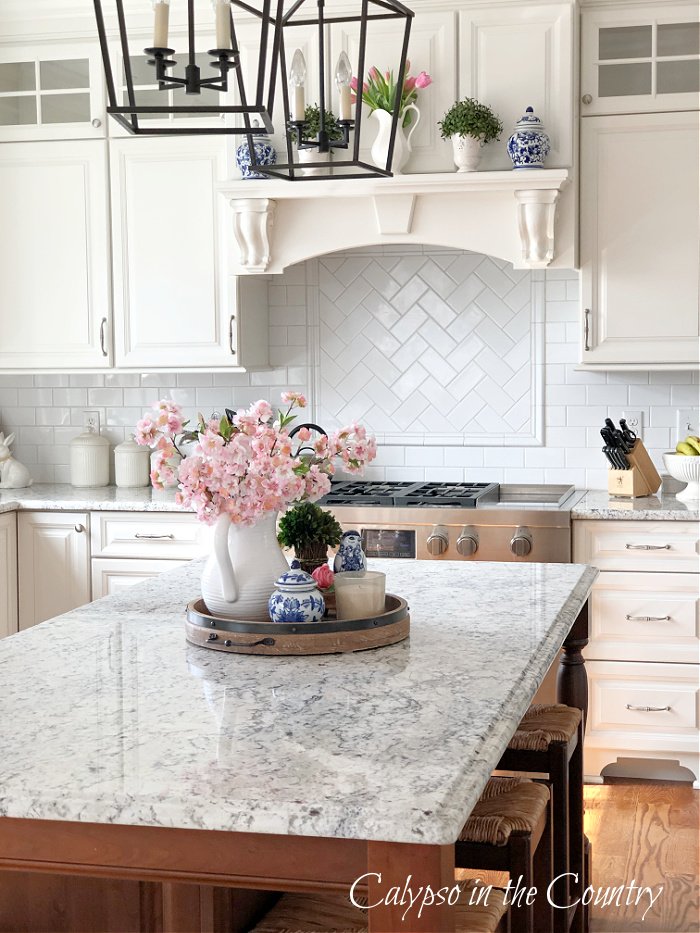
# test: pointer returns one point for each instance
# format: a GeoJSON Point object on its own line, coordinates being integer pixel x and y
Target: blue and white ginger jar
{"type": "Point", "coordinates": [296, 599]}
{"type": "Point", "coordinates": [350, 555]}
{"type": "Point", "coordinates": [265, 154]}
{"type": "Point", "coordinates": [528, 147]}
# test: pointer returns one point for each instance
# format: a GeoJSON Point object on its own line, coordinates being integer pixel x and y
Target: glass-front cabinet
{"type": "Point", "coordinates": [51, 92]}
{"type": "Point", "coordinates": [640, 59]}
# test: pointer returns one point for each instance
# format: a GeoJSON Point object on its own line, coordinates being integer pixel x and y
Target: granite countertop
{"type": "Point", "coordinates": [597, 503]}
{"type": "Point", "coordinates": [64, 497]}
{"type": "Point", "coordinates": [109, 716]}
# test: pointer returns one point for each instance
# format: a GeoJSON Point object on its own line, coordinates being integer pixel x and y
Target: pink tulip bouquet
{"type": "Point", "coordinates": [379, 90]}
{"type": "Point", "coordinates": [248, 467]}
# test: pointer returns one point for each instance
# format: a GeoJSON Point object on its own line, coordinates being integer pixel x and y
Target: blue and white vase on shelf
{"type": "Point", "coordinates": [350, 555]}
{"type": "Point", "coordinates": [528, 147]}
{"type": "Point", "coordinates": [296, 599]}
{"type": "Point", "coordinates": [265, 154]}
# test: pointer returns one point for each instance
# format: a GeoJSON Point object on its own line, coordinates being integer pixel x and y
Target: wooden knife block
{"type": "Point", "coordinates": [642, 478]}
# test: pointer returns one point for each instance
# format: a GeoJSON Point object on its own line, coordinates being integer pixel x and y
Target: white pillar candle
{"type": "Point", "coordinates": [345, 103]}
{"type": "Point", "coordinates": [299, 103]}
{"type": "Point", "coordinates": [160, 26]}
{"type": "Point", "coordinates": [222, 9]}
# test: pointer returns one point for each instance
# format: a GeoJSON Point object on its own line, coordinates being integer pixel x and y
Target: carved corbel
{"type": "Point", "coordinates": [252, 220]}
{"type": "Point", "coordinates": [394, 213]}
{"type": "Point", "coordinates": [536, 210]}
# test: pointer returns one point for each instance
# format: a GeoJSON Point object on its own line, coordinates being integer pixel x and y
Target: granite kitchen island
{"type": "Point", "coordinates": [129, 754]}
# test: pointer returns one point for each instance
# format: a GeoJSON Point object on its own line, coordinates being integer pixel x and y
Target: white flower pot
{"type": "Point", "coordinates": [312, 156]}
{"type": "Point", "coordinates": [467, 152]}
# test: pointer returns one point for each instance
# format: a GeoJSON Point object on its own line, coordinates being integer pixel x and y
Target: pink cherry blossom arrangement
{"type": "Point", "coordinates": [160, 432]}
{"type": "Point", "coordinates": [379, 90]}
{"type": "Point", "coordinates": [247, 467]}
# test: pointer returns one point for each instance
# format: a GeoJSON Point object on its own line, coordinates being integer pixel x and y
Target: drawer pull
{"type": "Point", "coordinates": [649, 709]}
{"type": "Point", "coordinates": [648, 547]}
{"type": "Point", "coordinates": [155, 537]}
{"type": "Point", "coordinates": [648, 618]}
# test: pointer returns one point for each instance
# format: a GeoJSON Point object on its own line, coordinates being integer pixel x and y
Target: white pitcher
{"type": "Point", "coordinates": [402, 146]}
{"type": "Point", "coordinates": [240, 574]}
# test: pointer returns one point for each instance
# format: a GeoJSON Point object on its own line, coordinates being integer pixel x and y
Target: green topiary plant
{"type": "Point", "coordinates": [312, 116]}
{"type": "Point", "coordinates": [310, 530]}
{"type": "Point", "coordinates": [470, 118]}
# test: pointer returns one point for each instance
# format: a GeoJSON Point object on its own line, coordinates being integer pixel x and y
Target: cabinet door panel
{"type": "Point", "coordinates": [639, 237]}
{"type": "Point", "coordinates": [54, 256]}
{"type": "Point", "coordinates": [8, 575]}
{"type": "Point", "coordinates": [111, 576]}
{"type": "Point", "coordinates": [54, 564]}
{"type": "Point", "coordinates": [169, 239]}
{"type": "Point", "coordinates": [495, 36]}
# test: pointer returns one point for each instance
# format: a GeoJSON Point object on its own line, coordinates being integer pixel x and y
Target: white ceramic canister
{"type": "Point", "coordinates": [132, 464]}
{"type": "Point", "coordinates": [89, 460]}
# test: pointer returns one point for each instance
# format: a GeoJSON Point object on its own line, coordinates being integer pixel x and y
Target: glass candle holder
{"type": "Point", "coordinates": [359, 594]}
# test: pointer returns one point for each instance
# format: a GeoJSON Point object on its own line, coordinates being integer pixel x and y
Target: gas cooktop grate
{"type": "Point", "coordinates": [461, 495]}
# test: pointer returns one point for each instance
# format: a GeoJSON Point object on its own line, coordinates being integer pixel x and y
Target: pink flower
{"type": "Point", "coordinates": [304, 434]}
{"type": "Point", "coordinates": [294, 398]}
{"type": "Point", "coordinates": [324, 576]}
{"type": "Point", "coordinates": [146, 431]}
{"type": "Point", "coordinates": [353, 83]}
{"type": "Point", "coordinates": [409, 84]}
{"type": "Point", "coordinates": [423, 80]}
{"type": "Point", "coordinates": [374, 73]}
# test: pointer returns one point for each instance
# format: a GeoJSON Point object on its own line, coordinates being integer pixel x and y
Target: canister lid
{"type": "Point", "coordinates": [89, 439]}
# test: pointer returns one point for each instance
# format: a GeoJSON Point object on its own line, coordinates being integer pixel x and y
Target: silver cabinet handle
{"type": "Point", "coordinates": [79, 528]}
{"type": "Point", "coordinates": [648, 547]}
{"type": "Point", "coordinates": [97, 123]}
{"type": "Point", "coordinates": [649, 709]}
{"type": "Point", "coordinates": [103, 326]}
{"type": "Point", "coordinates": [648, 618]}
{"type": "Point", "coordinates": [155, 537]}
{"type": "Point", "coordinates": [231, 323]}
{"type": "Point", "coordinates": [587, 329]}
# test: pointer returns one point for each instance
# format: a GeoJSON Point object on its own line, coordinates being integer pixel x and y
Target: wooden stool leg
{"type": "Point", "coordinates": [522, 874]}
{"type": "Point", "coordinates": [576, 837]}
{"type": "Point", "coordinates": [559, 778]}
{"type": "Point", "coordinates": [543, 875]}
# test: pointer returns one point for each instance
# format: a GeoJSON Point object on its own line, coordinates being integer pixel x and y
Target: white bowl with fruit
{"type": "Point", "coordinates": [684, 465]}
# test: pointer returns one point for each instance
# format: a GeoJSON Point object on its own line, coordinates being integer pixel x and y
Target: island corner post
{"type": "Point", "coordinates": [180, 873]}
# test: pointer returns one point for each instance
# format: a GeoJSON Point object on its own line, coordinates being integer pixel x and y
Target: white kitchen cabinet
{"type": "Point", "coordinates": [175, 307]}
{"type": "Point", "coordinates": [51, 92]}
{"type": "Point", "coordinates": [54, 564]}
{"type": "Point", "coordinates": [537, 39]}
{"type": "Point", "coordinates": [640, 57]}
{"type": "Point", "coordinates": [8, 574]}
{"type": "Point", "coordinates": [111, 576]}
{"type": "Point", "coordinates": [432, 49]}
{"type": "Point", "coordinates": [639, 241]}
{"type": "Point", "coordinates": [643, 657]}
{"type": "Point", "coordinates": [54, 256]}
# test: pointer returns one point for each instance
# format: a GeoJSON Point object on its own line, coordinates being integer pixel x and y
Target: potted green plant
{"type": "Point", "coordinates": [310, 530]}
{"type": "Point", "coordinates": [312, 125]}
{"type": "Point", "coordinates": [470, 125]}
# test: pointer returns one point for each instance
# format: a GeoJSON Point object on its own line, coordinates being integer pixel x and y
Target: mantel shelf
{"type": "Point", "coordinates": [506, 214]}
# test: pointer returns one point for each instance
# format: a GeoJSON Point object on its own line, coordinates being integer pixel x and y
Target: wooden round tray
{"type": "Point", "coordinates": [330, 636]}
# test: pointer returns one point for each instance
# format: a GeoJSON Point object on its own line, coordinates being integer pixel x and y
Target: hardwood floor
{"type": "Point", "coordinates": [649, 833]}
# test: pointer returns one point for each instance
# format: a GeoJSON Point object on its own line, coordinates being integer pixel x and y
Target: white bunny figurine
{"type": "Point", "coordinates": [13, 474]}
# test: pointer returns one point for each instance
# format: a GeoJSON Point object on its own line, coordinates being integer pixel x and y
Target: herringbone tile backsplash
{"type": "Point", "coordinates": [463, 367]}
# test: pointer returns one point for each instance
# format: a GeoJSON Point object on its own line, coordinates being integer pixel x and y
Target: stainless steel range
{"type": "Point", "coordinates": [457, 521]}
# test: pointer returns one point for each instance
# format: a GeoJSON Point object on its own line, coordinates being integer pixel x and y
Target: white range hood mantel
{"type": "Point", "coordinates": [509, 215]}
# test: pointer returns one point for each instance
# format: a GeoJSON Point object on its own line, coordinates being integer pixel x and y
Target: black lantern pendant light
{"type": "Point", "coordinates": [345, 133]}
{"type": "Point", "coordinates": [203, 78]}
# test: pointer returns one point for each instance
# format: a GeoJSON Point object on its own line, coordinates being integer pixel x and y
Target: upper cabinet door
{"type": "Point", "coordinates": [54, 256]}
{"type": "Point", "coordinates": [432, 49]}
{"type": "Point", "coordinates": [639, 239]}
{"type": "Point", "coordinates": [51, 92]}
{"type": "Point", "coordinates": [170, 237]}
{"type": "Point", "coordinates": [639, 59]}
{"type": "Point", "coordinates": [513, 56]}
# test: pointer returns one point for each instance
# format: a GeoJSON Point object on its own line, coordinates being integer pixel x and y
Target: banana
{"type": "Point", "coordinates": [686, 449]}
{"type": "Point", "coordinates": [694, 442]}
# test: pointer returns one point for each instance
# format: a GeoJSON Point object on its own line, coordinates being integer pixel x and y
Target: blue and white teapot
{"type": "Point", "coordinates": [296, 599]}
{"type": "Point", "coordinates": [528, 147]}
{"type": "Point", "coordinates": [350, 555]}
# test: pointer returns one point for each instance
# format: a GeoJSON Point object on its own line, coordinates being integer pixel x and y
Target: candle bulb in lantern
{"type": "Point", "coordinates": [343, 78]}
{"type": "Point", "coordinates": [161, 9]}
{"type": "Point", "coordinates": [297, 80]}
{"type": "Point", "coordinates": [222, 11]}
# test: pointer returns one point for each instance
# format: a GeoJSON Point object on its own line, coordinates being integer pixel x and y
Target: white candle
{"type": "Point", "coordinates": [160, 26]}
{"type": "Point", "coordinates": [345, 103]}
{"type": "Point", "coordinates": [223, 24]}
{"type": "Point", "coordinates": [299, 103]}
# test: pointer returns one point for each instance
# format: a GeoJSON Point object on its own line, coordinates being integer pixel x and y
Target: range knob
{"type": "Point", "coordinates": [521, 542]}
{"type": "Point", "coordinates": [438, 541]}
{"type": "Point", "coordinates": [468, 541]}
